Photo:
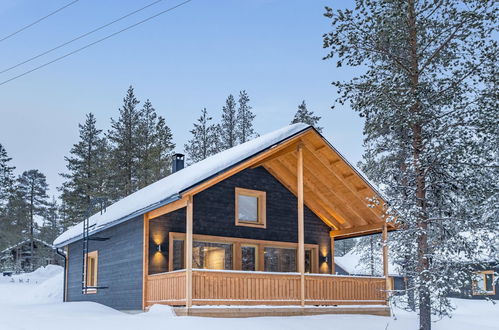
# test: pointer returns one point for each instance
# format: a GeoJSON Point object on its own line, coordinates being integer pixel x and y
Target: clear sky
{"type": "Point", "coordinates": [190, 58]}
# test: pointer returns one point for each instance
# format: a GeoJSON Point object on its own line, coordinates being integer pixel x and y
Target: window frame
{"type": "Point", "coordinates": [237, 243]}
{"type": "Point", "coordinates": [91, 255]}
{"type": "Point", "coordinates": [479, 292]}
{"type": "Point", "coordinates": [262, 207]}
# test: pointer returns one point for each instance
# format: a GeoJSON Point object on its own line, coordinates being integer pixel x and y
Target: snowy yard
{"type": "Point", "coordinates": [35, 305]}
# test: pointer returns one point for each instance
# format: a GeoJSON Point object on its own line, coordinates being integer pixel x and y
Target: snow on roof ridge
{"type": "Point", "coordinates": [172, 185]}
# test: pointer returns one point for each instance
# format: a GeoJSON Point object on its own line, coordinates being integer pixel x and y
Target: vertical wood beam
{"type": "Point", "coordinates": [332, 256]}
{"type": "Point", "coordinates": [188, 253]}
{"type": "Point", "coordinates": [145, 261]}
{"type": "Point", "coordinates": [385, 257]}
{"type": "Point", "coordinates": [301, 229]}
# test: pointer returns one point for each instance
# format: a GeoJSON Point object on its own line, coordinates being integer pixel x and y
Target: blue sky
{"type": "Point", "coordinates": [182, 61]}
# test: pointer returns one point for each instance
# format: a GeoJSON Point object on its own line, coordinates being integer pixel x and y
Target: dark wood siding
{"type": "Point", "coordinates": [119, 267]}
{"type": "Point", "coordinates": [214, 211]}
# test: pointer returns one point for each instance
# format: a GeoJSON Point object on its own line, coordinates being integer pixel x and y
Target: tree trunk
{"type": "Point", "coordinates": [417, 149]}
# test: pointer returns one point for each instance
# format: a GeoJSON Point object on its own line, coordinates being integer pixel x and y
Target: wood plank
{"type": "Point", "coordinates": [357, 231]}
{"type": "Point", "coordinates": [332, 256]}
{"type": "Point", "coordinates": [248, 163]}
{"type": "Point", "coordinates": [167, 208]}
{"type": "Point", "coordinates": [301, 225]}
{"type": "Point", "coordinates": [188, 253]}
{"type": "Point", "coordinates": [285, 176]}
{"type": "Point", "coordinates": [145, 260]}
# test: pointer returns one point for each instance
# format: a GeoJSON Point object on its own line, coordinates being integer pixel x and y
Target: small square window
{"type": "Point", "coordinates": [250, 208]}
{"type": "Point", "coordinates": [483, 283]}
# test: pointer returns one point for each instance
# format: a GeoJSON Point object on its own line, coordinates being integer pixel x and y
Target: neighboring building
{"type": "Point", "coordinates": [252, 225]}
{"type": "Point", "coordinates": [17, 258]}
{"type": "Point", "coordinates": [350, 264]}
{"type": "Point", "coordinates": [483, 284]}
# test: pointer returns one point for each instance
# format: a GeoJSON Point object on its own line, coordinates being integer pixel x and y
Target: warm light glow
{"type": "Point", "coordinates": [158, 238]}
{"type": "Point", "coordinates": [158, 259]}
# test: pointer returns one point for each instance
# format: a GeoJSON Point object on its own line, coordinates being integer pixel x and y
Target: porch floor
{"type": "Point", "coordinates": [265, 311]}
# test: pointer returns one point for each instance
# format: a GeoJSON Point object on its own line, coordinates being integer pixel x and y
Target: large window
{"type": "Point", "coordinates": [91, 269]}
{"type": "Point", "coordinates": [483, 283]}
{"type": "Point", "coordinates": [250, 208]}
{"type": "Point", "coordinates": [205, 255]}
{"type": "Point", "coordinates": [229, 253]}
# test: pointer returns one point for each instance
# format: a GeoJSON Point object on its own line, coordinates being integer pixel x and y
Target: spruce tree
{"type": "Point", "coordinates": [6, 176]}
{"type": "Point", "coordinates": [164, 149]}
{"type": "Point", "coordinates": [303, 115]}
{"type": "Point", "coordinates": [204, 139]}
{"type": "Point", "coordinates": [154, 146]}
{"type": "Point", "coordinates": [6, 183]}
{"type": "Point", "coordinates": [429, 99]}
{"type": "Point", "coordinates": [124, 139]}
{"type": "Point", "coordinates": [245, 117]}
{"type": "Point", "coordinates": [88, 172]}
{"type": "Point", "coordinates": [51, 227]}
{"type": "Point", "coordinates": [32, 188]}
{"type": "Point", "coordinates": [228, 125]}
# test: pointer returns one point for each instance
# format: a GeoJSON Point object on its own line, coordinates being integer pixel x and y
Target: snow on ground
{"type": "Point", "coordinates": [36, 304]}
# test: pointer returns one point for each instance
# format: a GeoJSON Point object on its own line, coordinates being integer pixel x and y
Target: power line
{"type": "Point", "coordinates": [95, 42]}
{"type": "Point", "coordinates": [38, 20]}
{"type": "Point", "coordinates": [79, 37]}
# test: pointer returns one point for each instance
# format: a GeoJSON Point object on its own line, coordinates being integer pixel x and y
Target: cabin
{"type": "Point", "coordinates": [18, 258]}
{"type": "Point", "coordinates": [254, 225]}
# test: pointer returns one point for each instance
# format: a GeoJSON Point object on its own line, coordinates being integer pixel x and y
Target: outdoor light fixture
{"type": "Point", "coordinates": [325, 259]}
{"type": "Point", "coordinates": [159, 247]}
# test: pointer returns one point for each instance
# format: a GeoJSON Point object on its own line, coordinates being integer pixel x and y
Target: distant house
{"type": "Point", "coordinates": [252, 225]}
{"type": "Point", "coordinates": [18, 256]}
{"type": "Point", "coordinates": [350, 264]}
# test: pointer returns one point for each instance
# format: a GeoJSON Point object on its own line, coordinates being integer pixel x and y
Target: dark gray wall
{"type": "Point", "coordinates": [119, 267]}
{"type": "Point", "coordinates": [214, 210]}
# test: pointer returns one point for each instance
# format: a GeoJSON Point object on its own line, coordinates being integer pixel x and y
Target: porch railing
{"type": "Point", "coordinates": [211, 287]}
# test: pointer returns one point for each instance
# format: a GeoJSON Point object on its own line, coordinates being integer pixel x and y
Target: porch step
{"type": "Point", "coordinates": [239, 312]}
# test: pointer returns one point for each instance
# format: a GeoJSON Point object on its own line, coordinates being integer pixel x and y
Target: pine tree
{"type": "Point", "coordinates": [204, 140]}
{"type": "Point", "coordinates": [6, 183]}
{"type": "Point", "coordinates": [245, 117]}
{"type": "Point", "coordinates": [164, 149]}
{"type": "Point", "coordinates": [6, 176]}
{"type": "Point", "coordinates": [428, 97]}
{"type": "Point", "coordinates": [87, 172]}
{"type": "Point", "coordinates": [32, 188]}
{"type": "Point", "coordinates": [303, 115]}
{"type": "Point", "coordinates": [124, 139]}
{"type": "Point", "coordinates": [51, 223]}
{"type": "Point", "coordinates": [154, 146]}
{"type": "Point", "coordinates": [228, 125]}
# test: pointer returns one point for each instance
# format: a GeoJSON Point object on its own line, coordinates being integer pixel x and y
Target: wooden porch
{"type": "Point", "coordinates": [211, 287]}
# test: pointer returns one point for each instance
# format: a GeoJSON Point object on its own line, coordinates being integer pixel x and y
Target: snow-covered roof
{"type": "Point", "coordinates": [168, 189]}
{"type": "Point", "coordinates": [25, 241]}
{"type": "Point", "coordinates": [352, 264]}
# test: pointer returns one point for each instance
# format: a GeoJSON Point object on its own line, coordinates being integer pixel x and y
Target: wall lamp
{"type": "Point", "coordinates": [159, 248]}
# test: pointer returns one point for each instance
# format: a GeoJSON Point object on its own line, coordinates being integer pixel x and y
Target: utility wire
{"type": "Point", "coordinates": [38, 20]}
{"type": "Point", "coordinates": [79, 37]}
{"type": "Point", "coordinates": [95, 42]}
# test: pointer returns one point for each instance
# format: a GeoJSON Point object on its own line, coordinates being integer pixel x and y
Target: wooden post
{"type": "Point", "coordinates": [385, 257]}
{"type": "Point", "coordinates": [301, 229]}
{"type": "Point", "coordinates": [145, 262]}
{"type": "Point", "coordinates": [332, 255]}
{"type": "Point", "coordinates": [188, 253]}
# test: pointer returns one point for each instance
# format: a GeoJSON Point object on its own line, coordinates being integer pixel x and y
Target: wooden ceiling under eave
{"type": "Point", "coordinates": [333, 189]}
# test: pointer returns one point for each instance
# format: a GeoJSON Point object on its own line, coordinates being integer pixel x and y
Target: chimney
{"type": "Point", "coordinates": [177, 162]}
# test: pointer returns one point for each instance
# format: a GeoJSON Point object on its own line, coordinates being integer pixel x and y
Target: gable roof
{"type": "Point", "coordinates": [334, 190]}
{"type": "Point", "coordinates": [26, 241]}
{"type": "Point", "coordinates": [170, 188]}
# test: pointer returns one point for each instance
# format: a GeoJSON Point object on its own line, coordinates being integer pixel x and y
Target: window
{"type": "Point", "coordinates": [205, 255]}
{"type": "Point", "coordinates": [250, 208]}
{"type": "Point", "coordinates": [279, 259]}
{"type": "Point", "coordinates": [91, 269]}
{"type": "Point", "coordinates": [483, 283]}
{"type": "Point", "coordinates": [230, 253]}
{"type": "Point", "coordinates": [249, 260]}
